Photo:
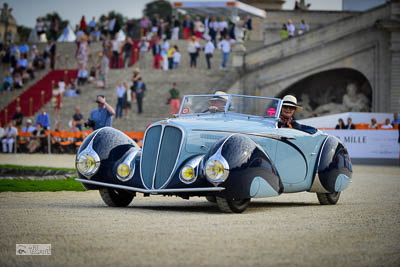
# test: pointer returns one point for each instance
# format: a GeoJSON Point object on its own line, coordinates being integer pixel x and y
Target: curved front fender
{"type": "Point", "coordinates": [334, 169]}
{"type": "Point", "coordinates": [251, 171]}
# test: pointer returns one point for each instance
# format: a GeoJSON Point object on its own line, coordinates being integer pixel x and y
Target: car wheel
{"type": "Point", "coordinates": [232, 205]}
{"type": "Point", "coordinates": [328, 198]}
{"type": "Point", "coordinates": [115, 197]}
{"type": "Point", "coordinates": [211, 199]}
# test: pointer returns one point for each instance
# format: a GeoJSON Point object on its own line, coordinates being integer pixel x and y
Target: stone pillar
{"type": "Point", "coordinates": [394, 28]}
{"type": "Point", "coordinates": [238, 54]}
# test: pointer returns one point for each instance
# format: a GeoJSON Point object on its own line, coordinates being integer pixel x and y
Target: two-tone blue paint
{"type": "Point", "coordinates": [334, 168]}
{"type": "Point", "coordinates": [260, 165]}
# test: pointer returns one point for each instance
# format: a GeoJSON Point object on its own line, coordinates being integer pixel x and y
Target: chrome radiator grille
{"type": "Point", "coordinates": [160, 154]}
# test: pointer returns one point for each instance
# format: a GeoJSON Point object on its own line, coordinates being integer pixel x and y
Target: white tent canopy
{"type": "Point", "coordinates": [68, 35]}
{"type": "Point", "coordinates": [33, 38]}
{"type": "Point", "coordinates": [219, 8]}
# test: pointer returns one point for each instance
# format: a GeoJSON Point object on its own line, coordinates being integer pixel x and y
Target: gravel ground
{"type": "Point", "coordinates": [363, 229]}
{"type": "Point", "coordinates": [47, 160]}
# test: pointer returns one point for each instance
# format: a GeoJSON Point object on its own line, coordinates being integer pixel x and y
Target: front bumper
{"type": "Point", "coordinates": [152, 191]}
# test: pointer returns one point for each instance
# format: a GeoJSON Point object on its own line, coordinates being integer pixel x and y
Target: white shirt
{"type": "Point", "coordinates": [192, 47]}
{"type": "Point", "coordinates": [120, 91]}
{"type": "Point", "coordinates": [389, 126]}
{"type": "Point", "coordinates": [10, 132]}
{"type": "Point", "coordinates": [26, 129]}
{"type": "Point", "coordinates": [222, 25]}
{"type": "Point", "coordinates": [225, 45]}
{"type": "Point", "coordinates": [214, 25]}
{"type": "Point", "coordinates": [176, 57]}
{"type": "Point", "coordinates": [114, 45]}
{"type": "Point", "coordinates": [39, 26]}
{"type": "Point", "coordinates": [164, 48]}
{"type": "Point", "coordinates": [144, 46]}
{"type": "Point", "coordinates": [290, 29]}
{"type": "Point", "coordinates": [209, 48]}
{"type": "Point", "coordinates": [61, 86]}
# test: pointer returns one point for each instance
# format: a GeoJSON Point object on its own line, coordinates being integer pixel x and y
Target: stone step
{"type": "Point", "coordinates": [158, 83]}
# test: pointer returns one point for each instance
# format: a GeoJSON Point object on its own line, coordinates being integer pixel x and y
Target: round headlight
{"type": "Point", "coordinates": [187, 173]}
{"type": "Point", "coordinates": [215, 171]}
{"type": "Point", "coordinates": [123, 170]}
{"type": "Point", "coordinates": [87, 164]}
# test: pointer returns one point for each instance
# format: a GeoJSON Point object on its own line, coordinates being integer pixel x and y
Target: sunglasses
{"type": "Point", "coordinates": [289, 107]}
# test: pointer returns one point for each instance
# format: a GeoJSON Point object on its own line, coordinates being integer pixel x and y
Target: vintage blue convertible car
{"type": "Point", "coordinates": [228, 154]}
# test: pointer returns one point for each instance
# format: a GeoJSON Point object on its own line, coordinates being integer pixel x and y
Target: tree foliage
{"type": "Point", "coordinates": [23, 33]}
{"type": "Point", "coordinates": [113, 14]}
{"type": "Point", "coordinates": [161, 7]}
{"type": "Point", "coordinates": [61, 23]}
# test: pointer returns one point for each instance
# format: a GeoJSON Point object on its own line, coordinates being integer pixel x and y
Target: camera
{"type": "Point", "coordinates": [89, 123]}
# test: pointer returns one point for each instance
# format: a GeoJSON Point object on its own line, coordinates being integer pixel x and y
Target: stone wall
{"type": "Point", "coordinates": [272, 25]}
{"type": "Point", "coordinates": [356, 42]}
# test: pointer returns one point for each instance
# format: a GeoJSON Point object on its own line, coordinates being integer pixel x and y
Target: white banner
{"type": "Point", "coordinates": [380, 144]}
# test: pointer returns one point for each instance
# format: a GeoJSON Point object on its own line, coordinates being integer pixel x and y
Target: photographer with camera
{"type": "Point", "coordinates": [101, 116]}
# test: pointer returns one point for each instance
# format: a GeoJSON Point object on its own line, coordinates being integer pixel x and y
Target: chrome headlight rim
{"type": "Point", "coordinates": [88, 154]}
{"type": "Point", "coordinates": [221, 160]}
{"type": "Point", "coordinates": [194, 165]}
{"type": "Point", "coordinates": [130, 162]}
{"type": "Point", "coordinates": [183, 179]}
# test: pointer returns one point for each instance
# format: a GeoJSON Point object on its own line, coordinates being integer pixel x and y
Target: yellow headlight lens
{"type": "Point", "coordinates": [187, 173]}
{"type": "Point", "coordinates": [214, 169]}
{"type": "Point", "coordinates": [123, 170]}
{"type": "Point", "coordinates": [86, 163]}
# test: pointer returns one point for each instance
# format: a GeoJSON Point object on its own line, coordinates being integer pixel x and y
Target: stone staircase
{"type": "Point", "coordinates": [158, 83]}
{"type": "Point", "coordinates": [65, 59]}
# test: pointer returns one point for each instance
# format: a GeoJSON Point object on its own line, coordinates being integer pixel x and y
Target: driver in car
{"type": "Point", "coordinates": [217, 102]}
{"type": "Point", "coordinates": [289, 108]}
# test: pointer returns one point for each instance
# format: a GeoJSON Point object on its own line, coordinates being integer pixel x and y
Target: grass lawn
{"type": "Point", "coordinates": [9, 166]}
{"type": "Point", "coordinates": [21, 185]}
{"type": "Point", "coordinates": [25, 185]}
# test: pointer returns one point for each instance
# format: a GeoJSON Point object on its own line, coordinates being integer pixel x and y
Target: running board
{"type": "Point", "coordinates": [154, 191]}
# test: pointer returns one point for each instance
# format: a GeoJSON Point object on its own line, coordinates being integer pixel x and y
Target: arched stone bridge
{"type": "Point", "coordinates": [363, 48]}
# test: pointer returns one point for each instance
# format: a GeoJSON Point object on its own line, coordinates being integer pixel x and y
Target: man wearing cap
{"type": "Point", "coordinates": [218, 102]}
{"type": "Point", "coordinates": [102, 115]}
{"type": "Point", "coordinates": [28, 127]}
{"type": "Point", "coordinates": [289, 108]}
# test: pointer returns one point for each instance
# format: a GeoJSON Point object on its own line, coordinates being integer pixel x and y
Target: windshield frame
{"type": "Point", "coordinates": [228, 102]}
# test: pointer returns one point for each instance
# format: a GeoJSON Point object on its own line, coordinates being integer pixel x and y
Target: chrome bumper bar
{"type": "Point", "coordinates": [155, 191]}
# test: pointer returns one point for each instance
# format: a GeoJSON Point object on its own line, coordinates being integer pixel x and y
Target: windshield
{"type": "Point", "coordinates": [248, 105]}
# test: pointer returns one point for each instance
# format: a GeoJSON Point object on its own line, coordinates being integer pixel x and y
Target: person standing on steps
{"type": "Point", "coordinates": [138, 93]}
{"type": "Point", "coordinates": [209, 51]}
{"type": "Point", "coordinates": [174, 100]}
{"type": "Point", "coordinates": [144, 47]}
{"type": "Point", "coordinates": [120, 100]}
{"type": "Point", "coordinates": [102, 115]}
{"type": "Point", "coordinates": [104, 67]}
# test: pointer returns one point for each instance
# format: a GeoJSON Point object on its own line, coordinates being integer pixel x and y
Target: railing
{"type": "Point", "coordinates": [64, 141]}
{"type": "Point", "coordinates": [36, 96]}
{"type": "Point", "coordinates": [364, 126]}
